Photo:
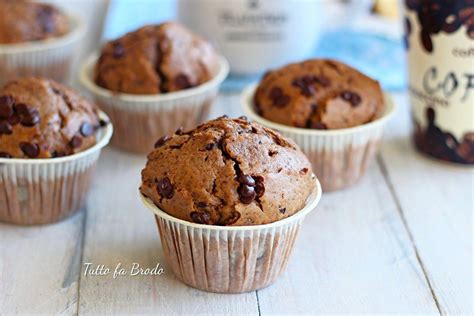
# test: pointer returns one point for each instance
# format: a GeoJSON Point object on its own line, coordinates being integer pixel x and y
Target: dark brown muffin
{"type": "Point", "coordinates": [319, 94]}
{"type": "Point", "coordinates": [155, 59]}
{"type": "Point", "coordinates": [40, 118]}
{"type": "Point", "coordinates": [227, 172]}
{"type": "Point", "coordinates": [25, 21]}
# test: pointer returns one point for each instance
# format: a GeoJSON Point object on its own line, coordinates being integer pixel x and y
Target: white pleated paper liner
{"type": "Point", "coordinates": [139, 120]}
{"type": "Point", "coordinates": [340, 156]}
{"type": "Point", "coordinates": [52, 58]}
{"type": "Point", "coordinates": [229, 259]}
{"type": "Point", "coordinates": [43, 191]}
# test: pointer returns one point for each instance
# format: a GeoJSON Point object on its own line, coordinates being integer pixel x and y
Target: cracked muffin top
{"type": "Point", "coordinates": [155, 59]}
{"type": "Point", "coordinates": [26, 21]}
{"type": "Point", "coordinates": [318, 94]}
{"type": "Point", "coordinates": [227, 172]}
{"type": "Point", "coordinates": [40, 118]}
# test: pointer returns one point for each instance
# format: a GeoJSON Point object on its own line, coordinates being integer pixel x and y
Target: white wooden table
{"type": "Point", "coordinates": [400, 241]}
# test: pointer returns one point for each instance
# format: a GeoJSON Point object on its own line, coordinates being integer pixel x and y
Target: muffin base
{"type": "Point", "coordinates": [341, 169]}
{"type": "Point", "coordinates": [12, 68]}
{"type": "Point", "coordinates": [52, 58]}
{"type": "Point", "coordinates": [137, 131]}
{"type": "Point", "coordinates": [227, 261]}
{"type": "Point", "coordinates": [24, 201]}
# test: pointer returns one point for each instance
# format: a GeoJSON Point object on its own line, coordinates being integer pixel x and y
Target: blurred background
{"type": "Point", "coordinates": [262, 34]}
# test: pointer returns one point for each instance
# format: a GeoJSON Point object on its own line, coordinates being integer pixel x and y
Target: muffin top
{"type": "Point", "coordinates": [155, 59]}
{"type": "Point", "coordinates": [40, 118]}
{"type": "Point", "coordinates": [319, 94]}
{"type": "Point", "coordinates": [227, 172]}
{"type": "Point", "coordinates": [26, 21]}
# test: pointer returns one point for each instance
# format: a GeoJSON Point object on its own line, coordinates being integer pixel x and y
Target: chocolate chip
{"type": "Point", "coordinates": [161, 141]}
{"type": "Point", "coordinates": [231, 220]}
{"type": "Point", "coordinates": [304, 171]}
{"type": "Point", "coordinates": [211, 146]}
{"type": "Point", "coordinates": [275, 93]}
{"type": "Point", "coordinates": [246, 194]}
{"type": "Point", "coordinates": [179, 131]}
{"type": "Point", "coordinates": [4, 155]}
{"type": "Point", "coordinates": [5, 128]}
{"type": "Point", "coordinates": [165, 188]}
{"type": "Point", "coordinates": [57, 154]}
{"type": "Point", "coordinates": [282, 210]}
{"type": "Point", "coordinates": [76, 141]}
{"type": "Point", "coordinates": [29, 116]}
{"type": "Point", "coordinates": [118, 50]}
{"type": "Point", "coordinates": [200, 217]}
{"type": "Point", "coordinates": [31, 150]}
{"type": "Point", "coordinates": [259, 186]}
{"type": "Point", "coordinates": [103, 123]}
{"type": "Point", "coordinates": [45, 18]}
{"type": "Point", "coordinates": [318, 125]}
{"type": "Point", "coordinates": [14, 119]}
{"type": "Point", "coordinates": [86, 129]}
{"type": "Point", "coordinates": [322, 80]}
{"type": "Point", "coordinates": [353, 98]}
{"type": "Point", "coordinates": [246, 179]}
{"type": "Point", "coordinates": [182, 81]}
{"type": "Point", "coordinates": [281, 101]}
{"type": "Point", "coordinates": [201, 204]}
{"type": "Point", "coordinates": [305, 83]}
{"type": "Point", "coordinates": [223, 117]}
{"type": "Point", "coordinates": [6, 106]}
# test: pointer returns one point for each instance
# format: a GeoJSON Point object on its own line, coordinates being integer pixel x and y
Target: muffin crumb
{"type": "Point", "coordinates": [221, 174]}
{"type": "Point", "coordinates": [40, 118]}
{"type": "Point", "coordinates": [318, 94]}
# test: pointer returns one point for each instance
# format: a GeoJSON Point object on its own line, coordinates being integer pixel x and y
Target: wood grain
{"type": "Point", "coordinates": [354, 256]}
{"type": "Point", "coordinates": [436, 202]}
{"type": "Point", "coordinates": [39, 267]}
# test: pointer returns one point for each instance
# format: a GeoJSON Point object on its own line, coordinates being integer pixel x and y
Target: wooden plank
{"type": "Point", "coordinates": [121, 230]}
{"type": "Point", "coordinates": [39, 267]}
{"type": "Point", "coordinates": [436, 202]}
{"type": "Point", "coordinates": [353, 256]}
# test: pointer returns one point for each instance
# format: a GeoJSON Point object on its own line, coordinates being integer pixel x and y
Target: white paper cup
{"type": "Point", "coordinates": [139, 120]}
{"type": "Point", "coordinates": [52, 58]}
{"type": "Point", "coordinates": [229, 259]}
{"type": "Point", "coordinates": [339, 157]}
{"type": "Point", "coordinates": [43, 191]}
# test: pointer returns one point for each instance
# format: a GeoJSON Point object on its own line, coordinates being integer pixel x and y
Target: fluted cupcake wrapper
{"type": "Point", "coordinates": [339, 157]}
{"type": "Point", "coordinates": [51, 58]}
{"type": "Point", "coordinates": [139, 120]}
{"type": "Point", "coordinates": [43, 191]}
{"type": "Point", "coordinates": [229, 259]}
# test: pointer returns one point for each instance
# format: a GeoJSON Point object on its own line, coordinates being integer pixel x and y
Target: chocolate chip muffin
{"type": "Point", "coordinates": [155, 59]}
{"type": "Point", "coordinates": [26, 21]}
{"type": "Point", "coordinates": [318, 94]}
{"type": "Point", "coordinates": [40, 118]}
{"type": "Point", "coordinates": [227, 172]}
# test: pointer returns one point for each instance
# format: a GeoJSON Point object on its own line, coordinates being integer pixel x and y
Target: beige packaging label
{"type": "Point", "coordinates": [440, 57]}
{"type": "Point", "coordinates": [442, 79]}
